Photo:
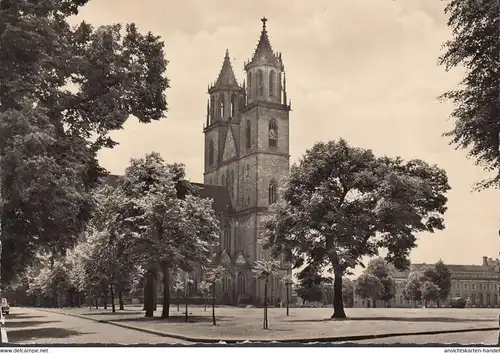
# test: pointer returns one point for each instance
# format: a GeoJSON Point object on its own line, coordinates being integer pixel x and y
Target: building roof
{"type": "Point", "coordinates": [453, 269]}
{"type": "Point", "coordinates": [263, 53]}
{"type": "Point", "coordinates": [220, 194]}
{"type": "Point", "coordinates": [226, 79]}
{"type": "Point", "coordinates": [111, 180]}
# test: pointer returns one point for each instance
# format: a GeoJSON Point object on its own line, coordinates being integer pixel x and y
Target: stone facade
{"type": "Point", "coordinates": [246, 155]}
{"type": "Point", "coordinates": [479, 283]}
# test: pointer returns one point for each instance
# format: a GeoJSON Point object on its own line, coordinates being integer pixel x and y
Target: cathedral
{"type": "Point", "coordinates": [246, 137]}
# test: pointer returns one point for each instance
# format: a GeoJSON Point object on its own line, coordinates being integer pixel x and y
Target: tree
{"type": "Point", "coordinates": [430, 292]}
{"type": "Point", "coordinates": [264, 270]}
{"type": "Point", "coordinates": [49, 134]}
{"type": "Point", "coordinates": [440, 275]}
{"type": "Point", "coordinates": [383, 271]}
{"type": "Point", "coordinates": [341, 203]}
{"type": "Point", "coordinates": [475, 46]}
{"type": "Point", "coordinates": [443, 280]}
{"type": "Point", "coordinates": [347, 292]}
{"type": "Point", "coordinates": [412, 289]}
{"type": "Point", "coordinates": [369, 286]}
{"type": "Point", "coordinates": [214, 277]}
{"type": "Point", "coordinates": [204, 288]}
{"type": "Point", "coordinates": [179, 288]}
{"type": "Point", "coordinates": [288, 282]}
{"type": "Point", "coordinates": [379, 268]}
{"type": "Point", "coordinates": [168, 232]}
{"type": "Point", "coordinates": [389, 290]}
{"type": "Point", "coordinates": [309, 284]}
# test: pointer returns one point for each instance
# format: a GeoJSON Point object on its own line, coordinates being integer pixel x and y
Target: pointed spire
{"type": "Point", "coordinates": [284, 87]}
{"type": "Point", "coordinates": [208, 112]}
{"type": "Point", "coordinates": [264, 51]}
{"type": "Point", "coordinates": [226, 78]}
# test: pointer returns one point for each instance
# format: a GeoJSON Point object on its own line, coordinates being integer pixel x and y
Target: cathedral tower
{"type": "Point", "coordinates": [247, 150]}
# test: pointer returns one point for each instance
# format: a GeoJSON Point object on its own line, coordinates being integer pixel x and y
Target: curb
{"type": "Point", "coordinates": [291, 340]}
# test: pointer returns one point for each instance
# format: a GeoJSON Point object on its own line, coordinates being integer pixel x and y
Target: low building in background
{"type": "Point", "coordinates": [478, 283]}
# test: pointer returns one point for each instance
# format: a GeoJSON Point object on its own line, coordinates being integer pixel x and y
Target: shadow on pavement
{"type": "Point", "coordinates": [407, 319]}
{"type": "Point", "coordinates": [177, 318]}
{"type": "Point", "coordinates": [37, 333]}
{"type": "Point", "coordinates": [20, 324]}
{"type": "Point", "coordinates": [22, 316]}
{"type": "Point", "coordinates": [110, 313]}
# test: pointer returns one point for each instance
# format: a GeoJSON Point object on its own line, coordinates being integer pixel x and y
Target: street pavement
{"type": "Point", "coordinates": [29, 326]}
{"type": "Point", "coordinates": [469, 338]}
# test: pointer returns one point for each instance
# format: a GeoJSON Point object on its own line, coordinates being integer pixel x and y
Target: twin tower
{"type": "Point", "coordinates": [247, 151]}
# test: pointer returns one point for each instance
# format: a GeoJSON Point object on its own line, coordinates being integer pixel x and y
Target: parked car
{"type": "Point", "coordinates": [5, 306]}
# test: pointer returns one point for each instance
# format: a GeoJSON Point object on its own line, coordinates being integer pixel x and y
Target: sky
{"type": "Point", "coordinates": [362, 70]}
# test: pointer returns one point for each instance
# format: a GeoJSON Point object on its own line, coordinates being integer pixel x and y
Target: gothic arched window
{"type": "Point", "coordinates": [210, 152]}
{"type": "Point", "coordinates": [233, 105]}
{"type": "Point", "coordinates": [260, 82]}
{"type": "Point", "coordinates": [221, 107]}
{"type": "Point", "coordinates": [231, 186]}
{"type": "Point", "coordinates": [272, 83]}
{"type": "Point", "coordinates": [249, 79]}
{"type": "Point", "coordinates": [227, 239]}
{"type": "Point", "coordinates": [273, 133]}
{"type": "Point", "coordinates": [273, 192]}
{"type": "Point", "coordinates": [225, 284]}
{"type": "Point", "coordinates": [241, 283]}
{"type": "Point", "coordinates": [212, 109]}
{"type": "Point", "coordinates": [248, 134]}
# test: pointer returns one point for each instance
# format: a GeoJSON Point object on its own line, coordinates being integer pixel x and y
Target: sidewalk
{"type": "Point", "coordinates": [239, 325]}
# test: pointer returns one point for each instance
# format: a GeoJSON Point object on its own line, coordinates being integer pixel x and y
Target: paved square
{"type": "Point", "coordinates": [303, 323]}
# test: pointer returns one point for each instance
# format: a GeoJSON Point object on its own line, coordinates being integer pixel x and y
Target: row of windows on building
{"type": "Point", "coordinates": [260, 83]}
{"type": "Point", "coordinates": [241, 283]}
{"type": "Point", "coordinates": [474, 286]}
{"type": "Point", "coordinates": [465, 286]}
{"type": "Point", "coordinates": [479, 299]}
{"type": "Point", "coordinates": [221, 102]}
{"type": "Point", "coordinates": [272, 139]}
{"type": "Point", "coordinates": [228, 181]}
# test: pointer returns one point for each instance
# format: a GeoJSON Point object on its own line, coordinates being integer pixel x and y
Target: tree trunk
{"type": "Point", "coordinates": [338, 305]}
{"type": "Point", "coordinates": [425, 304]}
{"type": "Point", "coordinates": [165, 313]}
{"type": "Point", "coordinates": [213, 304]}
{"type": "Point", "coordinates": [178, 301]}
{"type": "Point", "coordinates": [438, 302]}
{"type": "Point", "coordinates": [265, 305]}
{"type": "Point", "coordinates": [96, 302]}
{"type": "Point", "coordinates": [120, 299]}
{"type": "Point", "coordinates": [186, 318]}
{"type": "Point", "coordinates": [105, 300]}
{"type": "Point", "coordinates": [155, 294]}
{"type": "Point", "coordinates": [144, 291]}
{"type": "Point", "coordinates": [374, 303]}
{"type": "Point", "coordinates": [149, 295]}
{"type": "Point", "coordinates": [112, 294]}
{"type": "Point", "coordinates": [287, 300]}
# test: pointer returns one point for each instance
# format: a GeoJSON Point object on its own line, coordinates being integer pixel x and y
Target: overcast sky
{"type": "Point", "coordinates": [362, 70]}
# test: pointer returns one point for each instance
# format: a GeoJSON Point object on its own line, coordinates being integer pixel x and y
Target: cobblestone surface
{"type": "Point", "coordinates": [29, 326]}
